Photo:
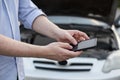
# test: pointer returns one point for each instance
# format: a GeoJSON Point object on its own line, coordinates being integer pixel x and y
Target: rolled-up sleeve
{"type": "Point", "coordinates": [28, 11]}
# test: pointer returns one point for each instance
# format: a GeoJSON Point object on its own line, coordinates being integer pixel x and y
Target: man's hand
{"type": "Point", "coordinates": [71, 36]}
{"type": "Point", "coordinates": [60, 51]}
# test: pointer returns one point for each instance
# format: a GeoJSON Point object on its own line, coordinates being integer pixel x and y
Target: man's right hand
{"type": "Point", "coordinates": [60, 51]}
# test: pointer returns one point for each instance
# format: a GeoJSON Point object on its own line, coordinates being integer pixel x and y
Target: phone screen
{"type": "Point", "coordinates": [85, 44]}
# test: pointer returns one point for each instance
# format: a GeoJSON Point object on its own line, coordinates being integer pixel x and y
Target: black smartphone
{"type": "Point", "coordinates": [83, 45]}
{"type": "Point", "coordinates": [86, 44]}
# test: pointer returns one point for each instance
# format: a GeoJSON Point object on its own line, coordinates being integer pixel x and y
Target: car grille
{"type": "Point", "coordinates": [55, 66]}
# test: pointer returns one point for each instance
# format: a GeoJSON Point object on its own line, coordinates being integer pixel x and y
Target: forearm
{"type": "Point", "coordinates": [42, 25]}
{"type": "Point", "coordinates": [10, 47]}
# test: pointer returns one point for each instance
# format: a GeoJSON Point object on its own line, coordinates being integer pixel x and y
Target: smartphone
{"type": "Point", "coordinates": [86, 44]}
{"type": "Point", "coordinates": [83, 45]}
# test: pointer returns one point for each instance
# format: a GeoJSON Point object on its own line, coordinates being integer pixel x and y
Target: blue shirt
{"type": "Point", "coordinates": [11, 12]}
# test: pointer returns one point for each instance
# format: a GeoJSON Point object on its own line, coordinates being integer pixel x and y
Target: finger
{"type": "Point", "coordinates": [80, 36]}
{"type": "Point", "coordinates": [76, 54]}
{"type": "Point", "coordinates": [84, 35]}
{"type": "Point", "coordinates": [81, 39]}
{"type": "Point", "coordinates": [72, 39]}
{"type": "Point", "coordinates": [66, 45]}
{"type": "Point", "coordinates": [72, 54]}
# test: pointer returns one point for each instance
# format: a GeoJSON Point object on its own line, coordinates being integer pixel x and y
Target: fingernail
{"type": "Point", "coordinates": [75, 43]}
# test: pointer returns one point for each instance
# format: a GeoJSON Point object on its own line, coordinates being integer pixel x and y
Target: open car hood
{"type": "Point", "coordinates": [103, 10]}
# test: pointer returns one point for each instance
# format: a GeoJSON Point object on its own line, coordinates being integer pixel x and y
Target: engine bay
{"type": "Point", "coordinates": [105, 44]}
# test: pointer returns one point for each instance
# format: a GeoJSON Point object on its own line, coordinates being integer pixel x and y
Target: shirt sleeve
{"type": "Point", "coordinates": [27, 13]}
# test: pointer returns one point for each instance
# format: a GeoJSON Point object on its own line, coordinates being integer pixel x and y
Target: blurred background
{"type": "Point", "coordinates": [119, 3]}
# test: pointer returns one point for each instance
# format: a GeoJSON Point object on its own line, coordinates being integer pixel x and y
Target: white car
{"type": "Point", "coordinates": [96, 18]}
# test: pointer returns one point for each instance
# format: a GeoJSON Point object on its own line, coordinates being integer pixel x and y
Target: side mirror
{"type": "Point", "coordinates": [117, 22]}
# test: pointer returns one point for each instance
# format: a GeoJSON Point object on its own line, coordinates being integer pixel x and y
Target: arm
{"type": "Point", "coordinates": [10, 47]}
{"type": "Point", "coordinates": [31, 17]}
{"type": "Point", "coordinates": [42, 25]}
{"type": "Point", "coordinates": [55, 51]}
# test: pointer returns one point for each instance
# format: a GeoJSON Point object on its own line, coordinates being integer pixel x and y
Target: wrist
{"type": "Point", "coordinates": [39, 51]}
{"type": "Point", "coordinates": [57, 34]}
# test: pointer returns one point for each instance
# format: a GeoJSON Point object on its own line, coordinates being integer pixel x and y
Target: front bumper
{"type": "Point", "coordinates": [95, 73]}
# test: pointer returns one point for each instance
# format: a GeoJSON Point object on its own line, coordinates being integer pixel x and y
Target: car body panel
{"type": "Point", "coordinates": [95, 74]}
{"type": "Point", "coordinates": [103, 10]}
